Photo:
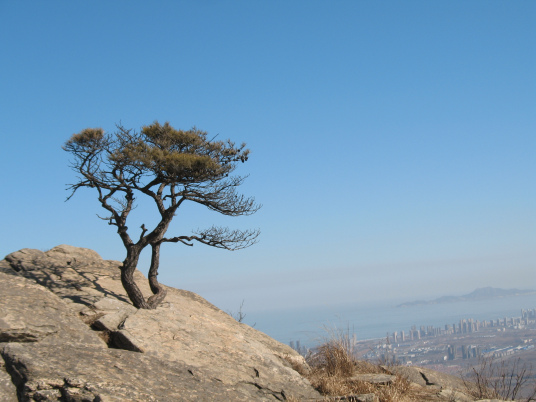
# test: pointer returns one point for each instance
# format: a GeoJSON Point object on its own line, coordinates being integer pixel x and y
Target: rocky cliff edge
{"type": "Point", "coordinates": [68, 332]}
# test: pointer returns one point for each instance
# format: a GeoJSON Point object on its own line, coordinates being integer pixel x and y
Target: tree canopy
{"type": "Point", "coordinates": [171, 167]}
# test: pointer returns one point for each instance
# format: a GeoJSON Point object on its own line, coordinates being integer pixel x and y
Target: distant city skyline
{"type": "Point", "coordinates": [404, 346]}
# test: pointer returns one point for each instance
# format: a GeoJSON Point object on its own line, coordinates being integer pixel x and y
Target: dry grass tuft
{"type": "Point", "coordinates": [334, 364]}
{"type": "Point", "coordinates": [334, 360]}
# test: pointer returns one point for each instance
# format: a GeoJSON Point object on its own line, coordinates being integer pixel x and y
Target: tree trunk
{"type": "Point", "coordinates": [127, 278]}
{"type": "Point", "coordinates": [159, 292]}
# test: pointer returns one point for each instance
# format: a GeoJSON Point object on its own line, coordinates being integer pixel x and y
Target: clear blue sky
{"type": "Point", "coordinates": [393, 142]}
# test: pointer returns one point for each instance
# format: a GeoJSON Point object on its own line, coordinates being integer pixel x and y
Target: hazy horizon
{"type": "Point", "coordinates": [393, 143]}
{"type": "Point", "coordinates": [311, 325]}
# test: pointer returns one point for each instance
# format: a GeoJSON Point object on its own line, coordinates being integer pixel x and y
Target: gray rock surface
{"type": "Point", "coordinates": [31, 313]}
{"type": "Point", "coordinates": [186, 349]}
{"type": "Point", "coordinates": [8, 391]}
{"type": "Point", "coordinates": [194, 334]}
{"type": "Point", "coordinates": [45, 371]}
{"type": "Point", "coordinates": [383, 379]}
{"type": "Point", "coordinates": [78, 275]}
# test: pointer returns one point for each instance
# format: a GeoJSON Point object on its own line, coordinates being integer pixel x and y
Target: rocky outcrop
{"type": "Point", "coordinates": [68, 332]}
{"type": "Point", "coordinates": [76, 373]}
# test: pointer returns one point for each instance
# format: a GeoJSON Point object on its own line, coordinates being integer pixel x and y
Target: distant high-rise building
{"type": "Point", "coordinates": [451, 352]}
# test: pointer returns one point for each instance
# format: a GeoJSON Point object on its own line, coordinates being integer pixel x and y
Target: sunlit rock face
{"type": "Point", "coordinates": [69, 332]}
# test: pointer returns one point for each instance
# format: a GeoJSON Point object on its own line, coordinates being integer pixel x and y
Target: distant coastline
{"type": "Point", "coordinates": [478, 294]}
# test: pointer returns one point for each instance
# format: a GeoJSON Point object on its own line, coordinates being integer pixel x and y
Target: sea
{"type": "Point", "coordinates": [312, 325]}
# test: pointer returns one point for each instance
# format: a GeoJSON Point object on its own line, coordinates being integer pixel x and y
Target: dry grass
{"type": "Point", "coordinates": [334, 364]}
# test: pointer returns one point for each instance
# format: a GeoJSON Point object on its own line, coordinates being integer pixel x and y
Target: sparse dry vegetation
{"type": "Point", "coordinates": [501, 379]}
{"type": "Point", "coordinates": [335, 372]}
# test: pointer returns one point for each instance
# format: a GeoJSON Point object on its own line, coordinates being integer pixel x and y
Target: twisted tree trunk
{"type": "Point", "coordinates": [127, 277]}
{"type": "Point", "coordinates": [159, 292]}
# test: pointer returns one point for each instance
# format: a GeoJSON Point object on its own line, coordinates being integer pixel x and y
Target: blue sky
{"type": "Point", "coordinates": [393, 143]}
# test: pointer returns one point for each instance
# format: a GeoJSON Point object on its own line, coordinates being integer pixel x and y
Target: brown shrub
{"type": "Point", "coordinates": [334, 364]}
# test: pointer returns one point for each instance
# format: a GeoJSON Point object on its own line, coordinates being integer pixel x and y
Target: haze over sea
{"type": "Point", "coordinates": [369, 321]}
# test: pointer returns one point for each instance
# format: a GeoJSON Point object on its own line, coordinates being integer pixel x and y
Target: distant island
{"type": "Point", "coordinates": [478, 294]}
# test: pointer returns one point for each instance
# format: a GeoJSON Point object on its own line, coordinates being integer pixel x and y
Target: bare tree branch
{"type": "Point", "coordinates": [220, 237]}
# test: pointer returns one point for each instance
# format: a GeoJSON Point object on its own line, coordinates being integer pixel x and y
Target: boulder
{"type": "Point", "coordinates": [378, 379]}
{"type": "Point", "coordinates": [186, 349]}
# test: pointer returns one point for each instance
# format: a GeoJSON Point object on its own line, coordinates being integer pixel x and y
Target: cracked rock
{"type": "Point", "coordinates": [186, 349]}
